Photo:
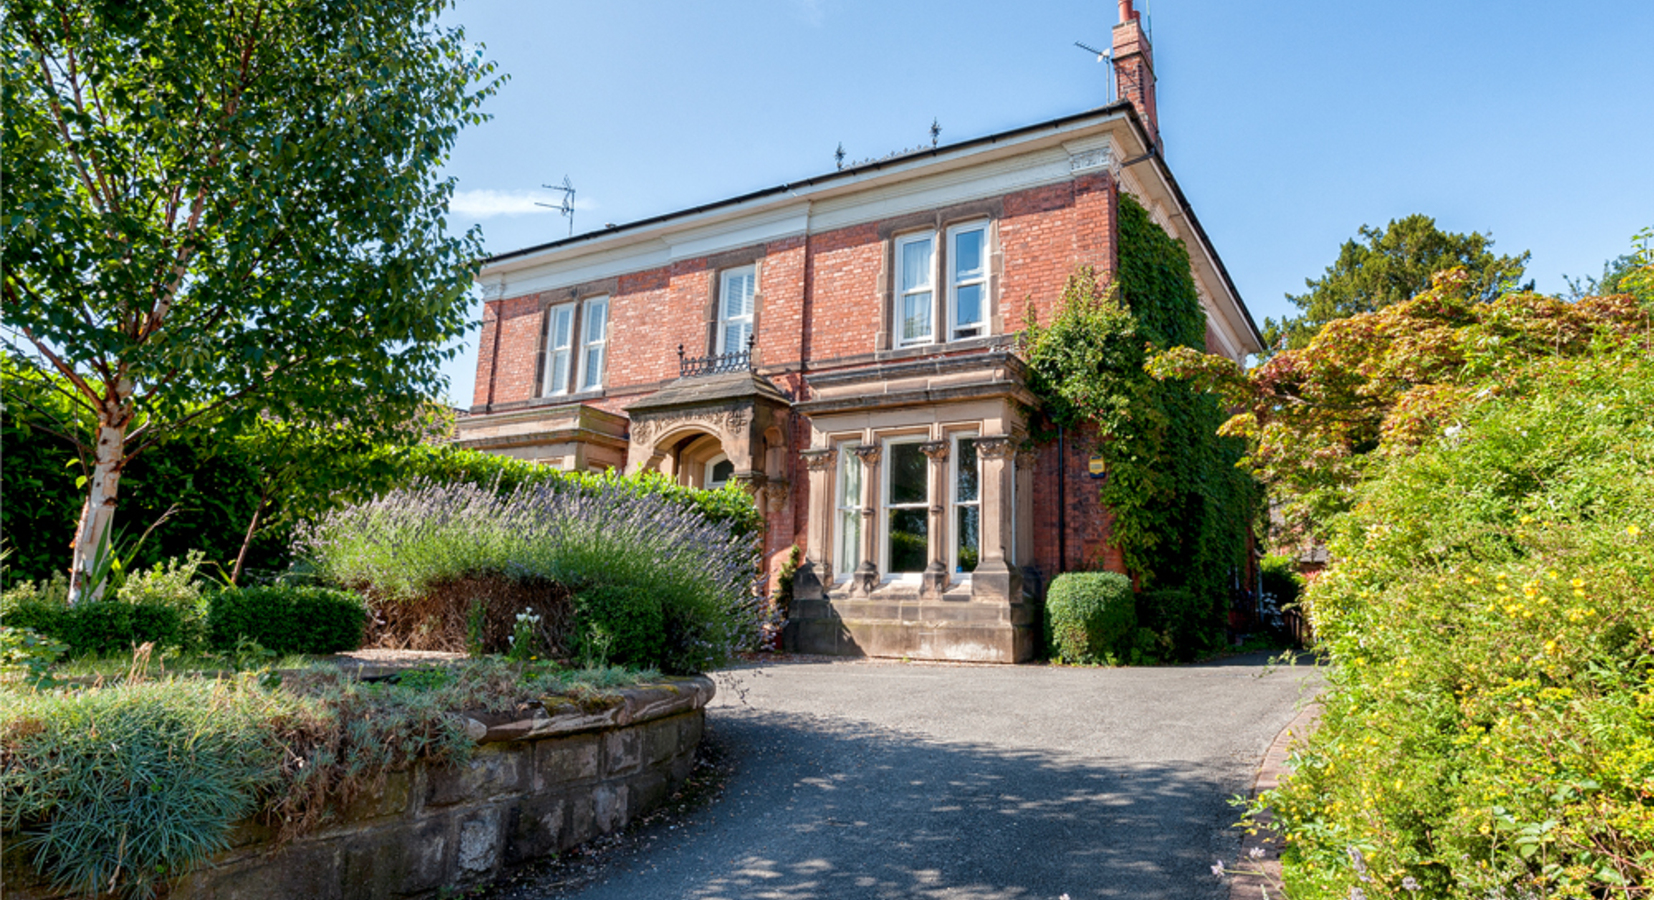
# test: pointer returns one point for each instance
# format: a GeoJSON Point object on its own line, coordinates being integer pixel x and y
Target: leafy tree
{"type": "Point", "coordinates": [1389, 267]}
{"type": "Point", "coordinates": [216, 209]}
{"type": "Point", "coordinates": [1377, 384]}
{"type": "Point", "coordinates": [1625, 274]}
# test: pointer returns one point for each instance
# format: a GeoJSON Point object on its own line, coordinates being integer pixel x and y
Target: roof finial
{"type": "Point", "coordinates": [935, 131]}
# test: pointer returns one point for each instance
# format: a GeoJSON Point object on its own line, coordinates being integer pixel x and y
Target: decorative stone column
{"type": "Point", "coordinates": [865, 580]}
{"type": "Point", "coordinates": [807, 583]}
{"type": "Point", "coordinates": [995, 578]}
{"type": "Point", "coordinates": [934, 583]}
{"type": "Point", "coordinates": [1023, 527]}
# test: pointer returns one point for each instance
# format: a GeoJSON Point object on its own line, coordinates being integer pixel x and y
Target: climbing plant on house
{"type": "Point", "coordinates": [1181, 508]}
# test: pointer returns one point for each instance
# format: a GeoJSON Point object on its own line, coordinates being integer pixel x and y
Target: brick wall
{"type": "Point", "coordinates": [819, 296]}
{"type": "Point", "coordinates": [819, 301]}
{"type": "Point", "coordinates": [1072, 502]}
{"type": "Point", "coordinates": [842, 271]}
{"type": "Point", "coordinates": [1045, 234]}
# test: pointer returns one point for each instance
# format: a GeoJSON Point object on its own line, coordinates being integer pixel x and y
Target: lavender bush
{"type": "Point", "coordinates": [702, 574]}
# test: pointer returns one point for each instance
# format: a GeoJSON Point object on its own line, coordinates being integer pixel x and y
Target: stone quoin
{"type": "Point", "coordinates": [843, 348]}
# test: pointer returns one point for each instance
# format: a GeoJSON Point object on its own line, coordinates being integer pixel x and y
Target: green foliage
{"type": "Point", "coordinates": [1185, 624]}
{"type": "Point", "coordinates": [1181, 509]}
{"type": "Point", "coordinates": [286, 618]}
{"type": "Point", "coordinates": [582, 534]}
{"type": "Point", "coordinates": [1089, 617]}
{"type": "Point", "coordinates": [217, 479]}
{"type": "Point", "coordinates": [1631, 273]}
{"type": "Point", "coordinates": [258, 226]}
{"type": "Point", "coordinates": [1489, 730]}
{"type": "Point", "coordinates": [132, 785]}
{"type": "Point", "coordinates": [169, 583]}
{"type": "Point", "coordinates": [34, 653]}
{"type": "Point", "coordinates": [1373, 386]}
{"type": "Point", "coordinates": [1279, 574]}
{"type": "Point", "coordinates": [104, 627]}
{"type": "Point", "coordinates": [1156, 282]}
{"type": "Point", "coordinates": [619, 625]}
{"type": "Point", "coordinates": [1392, 266]}
{"type": "Point", "coordinates": [186, 759]}
{"type": "Point", "coordinates": [206, 477]}
{"type": "Point", "coordinates": [782, 601]}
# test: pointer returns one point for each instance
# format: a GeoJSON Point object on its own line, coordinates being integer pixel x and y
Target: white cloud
{"type": "Point", "coordinates": [486, 204]}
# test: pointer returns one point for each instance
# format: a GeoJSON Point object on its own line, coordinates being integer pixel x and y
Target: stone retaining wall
{"type": "Point", "coordinates": [534, 787]}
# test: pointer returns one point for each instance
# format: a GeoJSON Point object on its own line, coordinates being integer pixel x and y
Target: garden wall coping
{"type": "Point", "coordinates": [538, 784]}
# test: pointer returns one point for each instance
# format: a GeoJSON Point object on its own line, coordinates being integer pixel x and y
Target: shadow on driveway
{"type": "Point", "coordinates": [822, 808]}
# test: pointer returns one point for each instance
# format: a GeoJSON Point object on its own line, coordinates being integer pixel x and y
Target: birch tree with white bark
{"type": "Point", "coordinates": [217, 209]}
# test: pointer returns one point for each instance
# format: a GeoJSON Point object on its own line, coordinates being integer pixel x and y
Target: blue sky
{"type": "Point", "coordinates": [1289, 123]}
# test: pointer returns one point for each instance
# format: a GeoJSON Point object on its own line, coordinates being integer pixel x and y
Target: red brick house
{"type": "Point", "coordinates": [843, 347]}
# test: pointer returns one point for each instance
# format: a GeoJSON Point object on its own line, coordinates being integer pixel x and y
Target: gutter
{"type": "Point", "coordinates": [816, 181]}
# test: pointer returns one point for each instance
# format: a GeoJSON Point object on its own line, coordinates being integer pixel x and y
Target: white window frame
{"type": "Point", "coordinates": [548, 385]}
{"type": "Point", "coordinates": [885, 508]}
{"type": "Point", "coordinates": [706, 473]}
{"type": "Point", "coordinates": [847, 552]}
{"type": "Point", "coordinates": [954, 283]}
{"type": "Point", "coordinates": [724, 320]}
{"type": "Point", "coordinates": [900, 294]}
{"type": "Point", "coordinates": [586, 344]}
{"type": "Point", "coordinates": [954, 504]}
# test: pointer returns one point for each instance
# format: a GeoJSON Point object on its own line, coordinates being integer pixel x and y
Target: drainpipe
{"type": "Point", "coordinates": [1062, 501]}
{"type": "Point", "coordinates": [494, 359]}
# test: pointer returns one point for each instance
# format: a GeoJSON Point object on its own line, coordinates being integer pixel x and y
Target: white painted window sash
{"type": "Point", "coordinates": [887, 466]}
{"type": "Point", "coordinates": [737, 289]}
{"type": "Point", "coordinates": [956, 502]}
{"type": "Point", "coordinates": [975, 279]}
{"type": "Point", "coordinates": [848, 524]}
{"type": "Point", "coordinates": [554, 381]}
{"type": "Point", "coordinates": [919, 295]}
{"type": "Point", "coordinates": [594, 321]}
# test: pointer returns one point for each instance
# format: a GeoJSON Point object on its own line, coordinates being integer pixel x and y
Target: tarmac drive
{"type": "Point", "coordinates": [889, 780]}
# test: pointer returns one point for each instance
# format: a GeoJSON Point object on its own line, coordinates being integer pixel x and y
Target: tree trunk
{"type": "Point", "coordinates": [252, 528]}
{"type": "Point", "coordinates": [86, 582]}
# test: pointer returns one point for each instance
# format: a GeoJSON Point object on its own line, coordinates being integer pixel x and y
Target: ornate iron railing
{"type": "Point", "coordinates": [712, 365]}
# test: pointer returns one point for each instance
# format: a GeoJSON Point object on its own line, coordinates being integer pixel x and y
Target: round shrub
{"type": "Point", "coordinates": [287, 619]}
{"type": "Point", "coordinates": [1089, 616]}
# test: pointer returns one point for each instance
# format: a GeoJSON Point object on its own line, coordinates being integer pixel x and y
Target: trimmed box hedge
{"type": "Point", "coordinates": [287, 619]}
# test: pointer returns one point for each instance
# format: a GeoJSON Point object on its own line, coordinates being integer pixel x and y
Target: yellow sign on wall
{"type": "Point", "coordinates": [1097, 467]}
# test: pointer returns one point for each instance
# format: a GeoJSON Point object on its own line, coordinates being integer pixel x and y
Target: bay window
{"type": "Point", "coordinates": [966, 486]}
{"type": "Point", "coordinates": [848, 510]}
{"type": "Point", "coordinates": [906, 508]}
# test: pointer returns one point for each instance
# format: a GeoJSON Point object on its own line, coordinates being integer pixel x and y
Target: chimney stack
{"type": "Point", "coordinates": [1134, 68]}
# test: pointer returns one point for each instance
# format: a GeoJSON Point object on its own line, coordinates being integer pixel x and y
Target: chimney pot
{"type": "Point", "coordinates": [1126, 12]}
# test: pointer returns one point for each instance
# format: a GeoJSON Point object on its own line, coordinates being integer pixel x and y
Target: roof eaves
{"type": "Point", "coordinates": [842, 174]}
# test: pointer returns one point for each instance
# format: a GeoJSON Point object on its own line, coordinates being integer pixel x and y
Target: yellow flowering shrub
{"type": "Point", "coordinates": [1489, 730]}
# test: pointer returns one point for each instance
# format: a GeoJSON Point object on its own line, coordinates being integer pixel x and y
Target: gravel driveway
{"type": "Point", "coordinates": [883, 780]}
